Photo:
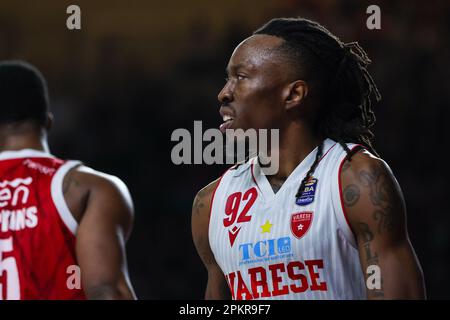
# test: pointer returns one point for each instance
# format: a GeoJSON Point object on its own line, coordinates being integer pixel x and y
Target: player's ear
{"type": "Point", "coordinates": [49, 122]}
{"type": "Point", "coordinates": [295, 93]}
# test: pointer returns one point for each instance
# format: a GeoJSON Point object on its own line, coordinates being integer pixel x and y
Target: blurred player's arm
{"type": "Point", "coordinates": [376, 211]}
{"type": "Point", "coordinates": [217, 287]}
{"type": "Point", "coordinates": [105, 227]}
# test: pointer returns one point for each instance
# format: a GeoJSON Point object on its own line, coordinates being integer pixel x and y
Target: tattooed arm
{"type": "Point", "coordinates": [376, 211]}
{"type": "Point", "coordinates": [217, 287]}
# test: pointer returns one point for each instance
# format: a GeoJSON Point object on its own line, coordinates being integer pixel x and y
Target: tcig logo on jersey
{"type": "Point", "coordinates": [308, 193]}
{"type": "Point", "coordinates": [265, 250]}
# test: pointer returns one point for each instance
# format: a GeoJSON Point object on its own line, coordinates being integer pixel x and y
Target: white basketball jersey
{"type": "Point", "coordinates": [273, 246]}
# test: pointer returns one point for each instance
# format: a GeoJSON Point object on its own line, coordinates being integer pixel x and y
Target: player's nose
{"type": "Point", "coordinates": [225, 95]}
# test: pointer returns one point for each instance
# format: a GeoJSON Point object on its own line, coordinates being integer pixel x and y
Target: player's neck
{"type": "Point", "coordinates": [12, 139]}
{"type": "Point", "coordinates": [296, 143]}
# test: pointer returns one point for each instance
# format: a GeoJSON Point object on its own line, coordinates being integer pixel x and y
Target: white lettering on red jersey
{"type": "Point", "coordinates": [37, 230]}
{"type": "Point", "coordinates": [273, 246]}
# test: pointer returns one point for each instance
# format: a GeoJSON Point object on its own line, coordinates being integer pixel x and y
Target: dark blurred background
{"type": "Point", "coordinates": [140, 69]}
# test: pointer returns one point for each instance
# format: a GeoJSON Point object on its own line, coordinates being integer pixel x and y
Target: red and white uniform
{"type": "Point", "coordinates": [271, 246]}
{"type": "Point", "coordinates": [37, 230]}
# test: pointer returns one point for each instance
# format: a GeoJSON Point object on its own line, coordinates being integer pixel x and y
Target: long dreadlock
{"type": "Point", "coordinates": [338, 78]}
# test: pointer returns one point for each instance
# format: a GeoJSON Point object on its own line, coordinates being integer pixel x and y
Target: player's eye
{"type": "Point", "coordinates": [241, 77]}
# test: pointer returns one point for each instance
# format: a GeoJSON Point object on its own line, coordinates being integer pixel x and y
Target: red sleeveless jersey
{"type": "Point", "coordinates": [37, 230]}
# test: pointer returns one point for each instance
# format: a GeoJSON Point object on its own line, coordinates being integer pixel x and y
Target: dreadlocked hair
{"type": "Point", "coordinates": [338, 79]}
{"type": "Point", "coordinates": [310, 171]}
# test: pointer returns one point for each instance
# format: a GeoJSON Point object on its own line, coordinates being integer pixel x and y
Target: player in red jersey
{"type": "Point", "coordinates": [63, 226]}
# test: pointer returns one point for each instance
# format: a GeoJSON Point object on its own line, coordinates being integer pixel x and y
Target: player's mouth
{"type": "Point", "coordinates": [227, 122]}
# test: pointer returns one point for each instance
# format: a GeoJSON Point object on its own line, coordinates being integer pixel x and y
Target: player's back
{"type": "Point", "coordinates": [37, 230]}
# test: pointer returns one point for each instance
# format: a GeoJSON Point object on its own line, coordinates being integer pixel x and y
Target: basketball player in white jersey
{"type": "Point", "coordinates": [331, 223]}
{"type": "Point", "coordinates": [63, 226]}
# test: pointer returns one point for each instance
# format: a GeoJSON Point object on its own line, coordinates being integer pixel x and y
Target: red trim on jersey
{"type": "Point", "coordinates": [215, 189]}
{"type": "Point", "coordinates": [327, 152]}
{"type": "Point", "coordinates": [253, 176]}
{"type": "Point", "coordinates": [212, 199]}
{"type": "Point", "coordinates": [340, 189]}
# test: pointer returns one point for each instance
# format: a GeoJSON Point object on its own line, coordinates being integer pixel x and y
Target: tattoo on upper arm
{"type": "Point", "coordinates": [351, 195]}
{"type": "Point", "coordinates": [367, 236]}
{"type": "Point", "coordinates": [384, 219]}
{"type": "Point", "coordinates": [376, 180]}
{"type": "Point", "coordinates": [381, 195]}
{"type": "Point", "coordinates": [198, 204]}
{"type": "Point", "coordinates": [199, 201]}
{"type": "Point", "coordinates": [345, 166]}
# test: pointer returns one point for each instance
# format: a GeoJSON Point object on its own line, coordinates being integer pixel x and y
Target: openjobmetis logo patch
{"type": "Point", "coordinates": [300, 223]}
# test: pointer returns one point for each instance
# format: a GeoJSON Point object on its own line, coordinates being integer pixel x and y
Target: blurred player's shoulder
{"type": "Point", "coordinates": [84, 184]}
{"type": "Point", "coordinates": [96, 179]}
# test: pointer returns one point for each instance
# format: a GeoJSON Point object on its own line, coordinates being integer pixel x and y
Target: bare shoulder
{"type": "Point", "coordinates": [99, 181]}
{"type": "Point", "coordinates": [85, 188]}
{"type": "Point", "coordinates": [367, 170]}
{"type": "Point", "coordinates": [202, 200]}
{"type": "Point", "coordinates": [371, 194]}
{"type": "Point", "coordinates": [363, 160]}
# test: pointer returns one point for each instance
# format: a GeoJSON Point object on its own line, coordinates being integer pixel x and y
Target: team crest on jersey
{"type": "Point", "coordinates": [308, 193]}
{"type": "Point", "coordinates": [300, 223]}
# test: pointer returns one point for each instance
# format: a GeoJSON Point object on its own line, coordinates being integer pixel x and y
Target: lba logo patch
{"type": "Point", "coordinates": [300, 223]}
{"type": "Point", "coordinates": [308, 193]}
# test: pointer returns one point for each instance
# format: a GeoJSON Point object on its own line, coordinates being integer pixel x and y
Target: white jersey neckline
{"type": "Point", "coordinates": [297, 174]}
{"type": "Point", "coordinates": [24, 153]}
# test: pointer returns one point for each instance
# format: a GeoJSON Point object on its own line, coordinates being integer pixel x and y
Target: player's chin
{"type": "Point", "coordinates": [241, 133]}
{"type": "Point", "coordinates": [237, 125]}
{"type": "Point", "coordinates": [236, 128]}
